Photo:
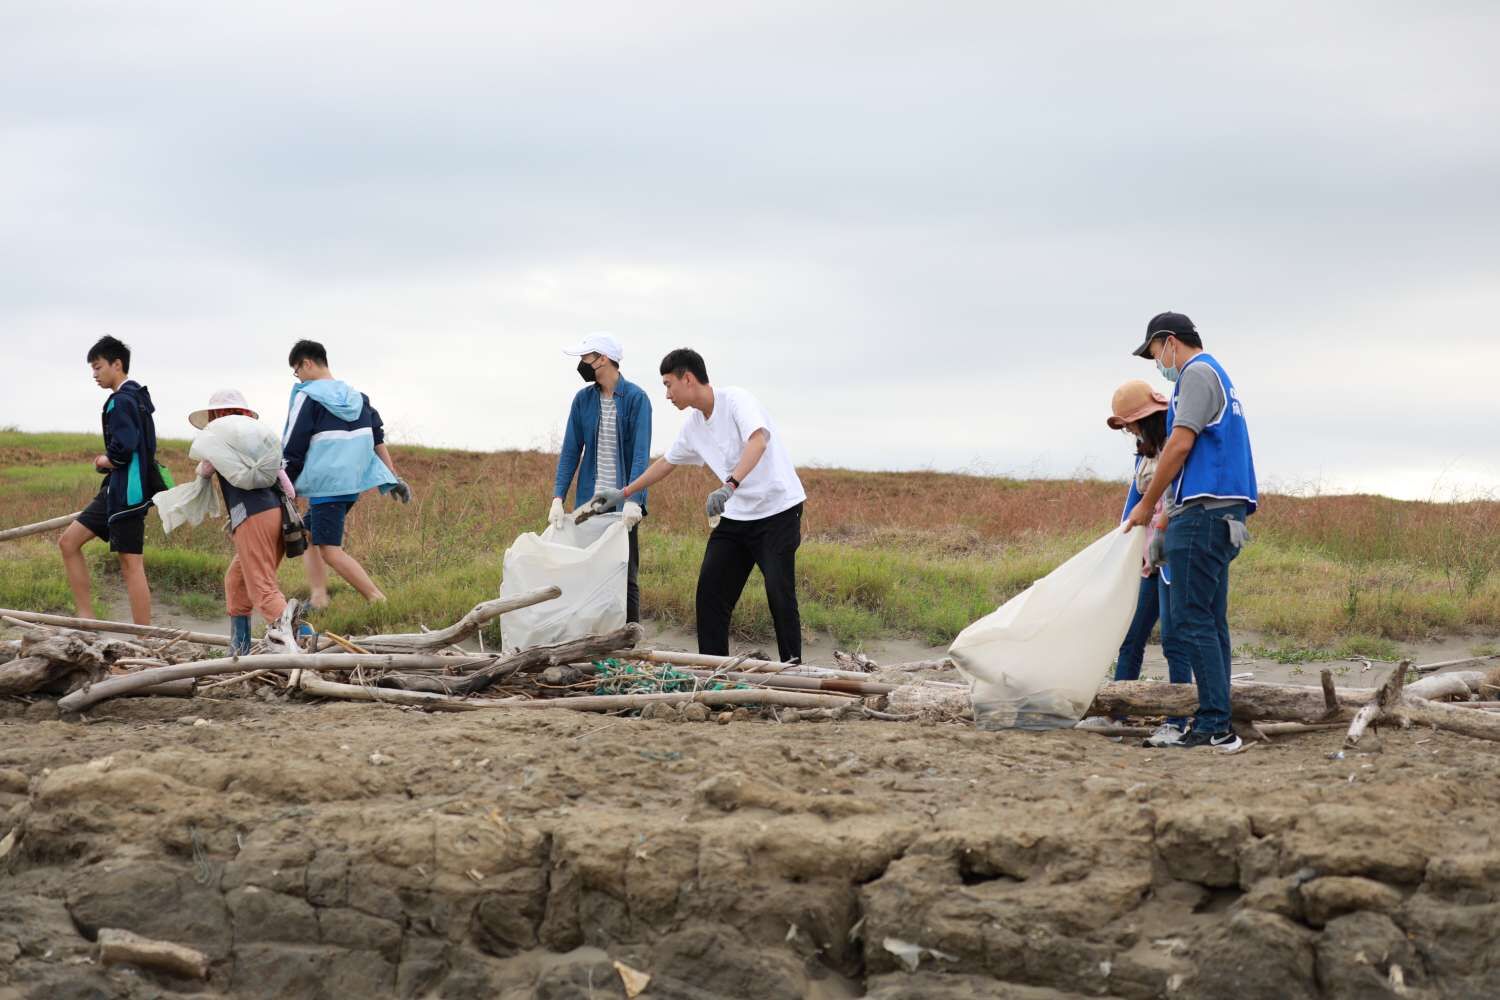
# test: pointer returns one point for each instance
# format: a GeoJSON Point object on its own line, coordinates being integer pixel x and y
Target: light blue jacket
{"type": "Point", "coordinates": [329, 441]}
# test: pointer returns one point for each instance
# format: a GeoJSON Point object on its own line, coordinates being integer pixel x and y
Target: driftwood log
{"type": "Point", "coordinates": [465, 628]}
{"type": "Point", "coordinates": [114, 687]}
{"type": "Point", "coordinates": [51, 524]}
{"type": "Point", "coordinates": [117, 947]}
{"type": "Point", "coordinates": [119, 628]}
{"type": "Point", "coordinates": [679, 659]}
{"type": "Point", "coordinates": [55, 662]}
{"type": "Point", "coordinates": [1407, 705]}
{"type": "Point", "coordinates": [1253, 700]}
{"type": "Point", "coordinates": [526, 661]}
{"type": "Point", "coordinates": [625, 702]}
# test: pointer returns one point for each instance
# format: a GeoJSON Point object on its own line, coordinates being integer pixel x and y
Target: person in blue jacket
{"type": "Point", "coordinates": [1206, 474]}
{"type": "Point", "coordinates": [607, 444]}
{"type": "Point", "coordinates": [334, 449]}
{"type": "Point", "coordinates": [118, 513]}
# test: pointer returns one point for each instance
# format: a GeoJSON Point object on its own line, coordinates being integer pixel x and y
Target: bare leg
{"type": "Point", "coordinates": [74, 537]}
{"type": "Point", "coordinates": [349, 568]}
{"type": "Point", "coordinates": [133, 569]}
{"type": "Point", "coordinates": [317, 575]}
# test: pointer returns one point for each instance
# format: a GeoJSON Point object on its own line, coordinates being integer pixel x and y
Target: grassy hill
{"type": "Point", "coordinates": [917, 554]}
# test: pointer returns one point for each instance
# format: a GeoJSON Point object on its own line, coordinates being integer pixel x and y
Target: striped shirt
{"type": "Point", "coordinates": [606, 462]}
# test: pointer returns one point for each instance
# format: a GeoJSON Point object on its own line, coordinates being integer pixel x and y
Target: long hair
{"type": "Point", "coordinates": [1153, 439]}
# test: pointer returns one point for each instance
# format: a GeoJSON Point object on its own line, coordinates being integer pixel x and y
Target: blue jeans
{"type": "Point", "coordinates": [1198, 556]}
{"type": "Point", "coordinates": [1154, 603]}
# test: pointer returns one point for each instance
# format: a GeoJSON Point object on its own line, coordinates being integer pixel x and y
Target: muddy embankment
{"type": "Point", "coordinates": [364, 851]}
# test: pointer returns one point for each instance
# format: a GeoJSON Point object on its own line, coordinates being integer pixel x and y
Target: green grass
{"type": "Point", "coordinates": [884, 555]}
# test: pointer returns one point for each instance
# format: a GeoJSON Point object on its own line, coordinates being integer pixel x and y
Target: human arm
{"type": "Point", "coordinates": [206, 469]}
{"type": "Point", "coordinates": [570, 454]}
{"type": "Point", "coordinates": [1172, 459]}
{"type": "Point", "coordinates": [640, 451]}
{"type": "Point", "coordinates": [294, 450]}
{"type": "Point", "coordinates": [659, 470]}
{"type": "Point", "coordinates": [124, 432]}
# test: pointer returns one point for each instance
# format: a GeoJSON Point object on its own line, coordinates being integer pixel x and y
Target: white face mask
{"type": "Point", "coordinates": [1171, 374]}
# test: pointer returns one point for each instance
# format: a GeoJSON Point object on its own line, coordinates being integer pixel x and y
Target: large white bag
{"type": "Point", "coordinates": [1038, 661]}
{"type": "Point", "coordinates": [243, 450]}
{"type": "Point", "coordinates": [589, 561]}
{"type": "Point", "coordinates": [190, 504]}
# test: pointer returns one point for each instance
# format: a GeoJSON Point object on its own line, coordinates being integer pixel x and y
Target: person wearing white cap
{"type": "Point", "coordinates": [255, 529]}
{"type": "Point", "coordinates": [607, 444]}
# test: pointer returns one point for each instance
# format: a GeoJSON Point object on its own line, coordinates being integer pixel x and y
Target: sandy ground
{"type": "Point", "coordinates": [343, 850]}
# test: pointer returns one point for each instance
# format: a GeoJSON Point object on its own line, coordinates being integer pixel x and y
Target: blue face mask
{"type": "Point", "coordinates": [1170, 374]}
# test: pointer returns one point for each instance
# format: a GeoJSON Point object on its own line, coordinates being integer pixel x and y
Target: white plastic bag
{"type": "Point", "coordinates": [188, 504]}
{"type": "Point", "coordinates": [588, 561]}
{"type": "Point", "coordinates": [242, 450]}
{"type": "Point", "coordinates": [1038, 661]}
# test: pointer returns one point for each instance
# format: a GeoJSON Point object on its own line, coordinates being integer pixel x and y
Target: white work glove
{"type": "Point", "coordinates": [555, 516]}
{"type": "Point", "coordinates": [717, 499]}
{"type": "Point", "coordinates": [632, 514]}
{"type": "Point", "coordinates": [606, 500]}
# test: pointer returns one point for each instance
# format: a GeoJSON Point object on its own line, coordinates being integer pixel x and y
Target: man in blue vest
{"type": "Point", "coordinates": [607, 444]}
{"type": "Point", "coordinates": [1207, 474]}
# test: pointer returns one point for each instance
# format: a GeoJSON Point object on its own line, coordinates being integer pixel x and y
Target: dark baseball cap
{"type": "Point", "coordinates": [1162, 325]}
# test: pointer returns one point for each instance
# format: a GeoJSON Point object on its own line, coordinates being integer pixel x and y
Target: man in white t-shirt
{"type": "Point", "coordinates": [759, 507]}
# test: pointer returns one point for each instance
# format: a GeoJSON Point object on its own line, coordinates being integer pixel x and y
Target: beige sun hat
{"type": "Point", "coordinates": [1134, 400]}
{"type": "Point", "coordinates": [224, 399]}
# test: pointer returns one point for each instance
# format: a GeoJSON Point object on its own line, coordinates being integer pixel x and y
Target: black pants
{"type": "Point", "coordinates": [632, 580]}
{"type": "Point", "coordinates": [733, 549]}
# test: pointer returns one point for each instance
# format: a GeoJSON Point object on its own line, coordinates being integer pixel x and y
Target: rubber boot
{"type": "Point", "coordinates": [239, 635]}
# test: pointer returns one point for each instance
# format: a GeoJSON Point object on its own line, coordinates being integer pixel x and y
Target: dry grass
{"type": "Point", "coordinates": [918, 553]}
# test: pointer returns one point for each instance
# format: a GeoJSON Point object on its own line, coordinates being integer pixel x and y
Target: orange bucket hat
{"type": "Point", "coordinates": [1132, 401]}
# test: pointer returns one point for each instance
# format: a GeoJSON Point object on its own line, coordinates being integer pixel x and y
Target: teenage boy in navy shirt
{"type": "Point", "coordinates": [118, 513]}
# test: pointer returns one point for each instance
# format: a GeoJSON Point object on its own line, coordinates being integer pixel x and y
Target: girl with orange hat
{"type": "Point", "coordinates": [1141, 412]}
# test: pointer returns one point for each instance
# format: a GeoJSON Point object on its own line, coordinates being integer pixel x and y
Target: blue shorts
{"type": "Point", "coordinates": [325, 521]}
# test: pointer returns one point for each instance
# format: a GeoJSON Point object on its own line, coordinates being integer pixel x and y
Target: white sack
{"type": "Point", "coordinates": [1038, 661]}
{"type": "Point", "coordinates": [589, 561]}
{"type": "Point", "coordinates": [243, 450]}
{"type": "Point", "coordinates": [188, 504]}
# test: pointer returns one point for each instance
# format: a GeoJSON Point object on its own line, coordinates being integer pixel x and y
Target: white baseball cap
{"type": "Point", "coordinates": [224, 399]}
{"type": "Point", "coordinates": [598, 343]}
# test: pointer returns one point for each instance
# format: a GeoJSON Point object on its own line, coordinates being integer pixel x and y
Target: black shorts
{"type": "Point", "coordinates": [325, 521]}
{"type": "Point", "coordinates": [126, 535]}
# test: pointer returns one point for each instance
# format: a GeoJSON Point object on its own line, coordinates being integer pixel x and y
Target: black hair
{"type": "Point", "coordinates": [307, 350]}
{"type": "Point", "coordinates": [685, 360]}
{"type": "Point", "coordinates": [110, 350]}
{"type": "Point", "coordinates": [1190, 338]}
{"type": "Point", "coordinates": [1153, 434]}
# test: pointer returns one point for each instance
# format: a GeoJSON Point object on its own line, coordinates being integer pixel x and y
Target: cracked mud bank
{"type": "Point", "coordinates": [364, 851]}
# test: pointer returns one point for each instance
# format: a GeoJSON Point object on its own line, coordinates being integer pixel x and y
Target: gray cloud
{"type": "Point", "coordinates": [927, 236]}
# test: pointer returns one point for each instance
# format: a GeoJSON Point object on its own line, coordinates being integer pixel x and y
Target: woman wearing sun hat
{"type": "Point", "coordinates": [254, 524]}
{"type": "Point", "coordinates": [1141, 412]}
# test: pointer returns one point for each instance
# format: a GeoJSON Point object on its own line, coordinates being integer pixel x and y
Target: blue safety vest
{"type": "Point", "coordinates": [1220, 466]}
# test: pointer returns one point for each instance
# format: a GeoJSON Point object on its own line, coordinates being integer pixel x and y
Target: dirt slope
{"type": "Point", "coordinates": [365, 851]}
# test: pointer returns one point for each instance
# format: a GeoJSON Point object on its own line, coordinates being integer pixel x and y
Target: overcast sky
{"type": "Point", "coordinates": [925, 235]}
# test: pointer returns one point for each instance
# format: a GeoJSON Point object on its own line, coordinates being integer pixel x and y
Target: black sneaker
{"type": "Point", "coordinates": [1222, 742]}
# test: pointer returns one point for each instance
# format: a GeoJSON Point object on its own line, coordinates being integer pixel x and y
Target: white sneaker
{"type": "Point", "coordinates": [1166, 735]}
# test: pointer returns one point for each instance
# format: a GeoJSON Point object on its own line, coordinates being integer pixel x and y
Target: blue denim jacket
{"type": "Point", "coordinates": [581, 441]}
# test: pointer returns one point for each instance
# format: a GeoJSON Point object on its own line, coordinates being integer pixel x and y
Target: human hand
{"type": "Point", "coordinates": [717, 499]}
{"type": "Point", "coordinates": [605, 500]}
{"type": "Point", "coordinates": [556, 515]}
{"type": "Point", "coordinates": [632, 514]}
{"type": "Point", "coordinates": [103, 464]}
{"type": "Point", "coordinates": [1140, 516]}
{"type": "Point", "coordinates": [401, 491]}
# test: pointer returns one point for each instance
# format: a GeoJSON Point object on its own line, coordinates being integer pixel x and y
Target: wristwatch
{"type": "Point", "coordinates": [733, 482]}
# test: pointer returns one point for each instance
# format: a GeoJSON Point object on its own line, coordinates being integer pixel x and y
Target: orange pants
{"type": "Point", "coordinates": [251, 582]}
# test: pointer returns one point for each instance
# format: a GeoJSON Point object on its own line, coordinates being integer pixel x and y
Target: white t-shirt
{"type": "Point", "coordinates": [771, 487]}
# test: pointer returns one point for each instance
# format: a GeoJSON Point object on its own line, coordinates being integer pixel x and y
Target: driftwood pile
{"type": "Point", "coordinates": [76, 660]}
{"type": "Point", "coordinates": [73, 658]}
